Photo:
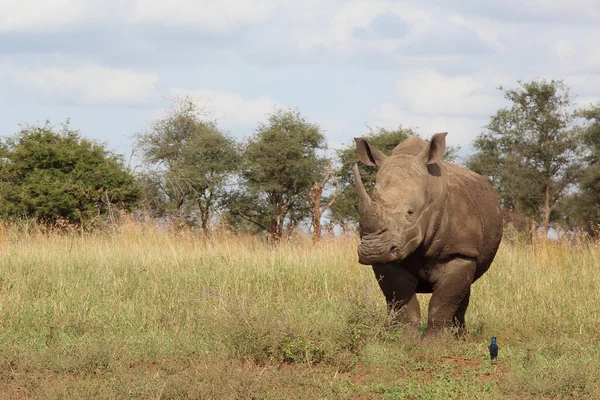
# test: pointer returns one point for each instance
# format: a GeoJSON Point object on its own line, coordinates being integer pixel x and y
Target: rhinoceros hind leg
{"type": "Point", "coordinates": [459, 316]}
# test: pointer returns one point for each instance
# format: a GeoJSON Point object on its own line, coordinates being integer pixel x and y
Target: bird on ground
{"type": "Point", "coordinates": [493, 349]}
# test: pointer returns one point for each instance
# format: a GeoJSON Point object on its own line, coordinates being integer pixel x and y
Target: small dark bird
{"type": "Point", "coordinates": [493, 349]}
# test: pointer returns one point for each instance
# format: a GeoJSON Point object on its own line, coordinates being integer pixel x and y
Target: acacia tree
{"type": "Point", "coordinates": [582, 207]}
{"type": "Point", "coordinates": [190, 161]}
{"type": "Point", "coordinates": [529, 150]}
{"type": "Point", "coordinates": [50, 173]}
{"type": "Point", "coordinates": [281, 161]}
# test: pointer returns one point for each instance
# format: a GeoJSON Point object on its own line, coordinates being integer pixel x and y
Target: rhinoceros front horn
{"type": "Point", "coordinates": [367, 217]}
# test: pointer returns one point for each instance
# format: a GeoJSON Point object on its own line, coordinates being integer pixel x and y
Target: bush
{"type": "Point", "coordinates": [51, 175]}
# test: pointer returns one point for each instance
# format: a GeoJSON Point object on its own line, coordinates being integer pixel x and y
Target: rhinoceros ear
{"type": "Point", "coordinates": [368, 154]}
{"type": "Point", "coordinates": [436, 149]}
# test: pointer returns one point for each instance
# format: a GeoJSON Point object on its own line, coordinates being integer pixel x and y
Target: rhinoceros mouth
{"type": "Point", "coordinates": [367, 256]}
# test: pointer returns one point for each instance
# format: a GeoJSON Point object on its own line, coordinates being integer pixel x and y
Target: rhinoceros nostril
{"type": "Point", "coordinates": [394, 252]}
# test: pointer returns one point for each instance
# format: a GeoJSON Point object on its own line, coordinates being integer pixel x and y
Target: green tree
{"type": "Point", "coordinates": [344, 210]}
{"type": "Point", "coordinates": [281, 162]}
{"type": "Point", "coordinates": [190, 162]}
{"type": "Point", "coordinates": [49, 173]}
{"type": "Point", "coordinates": [582, 207]}
{"type": "Point", "coordinates": [528, 151]}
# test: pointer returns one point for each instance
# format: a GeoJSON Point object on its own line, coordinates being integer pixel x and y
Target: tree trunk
{"type": "Point", "coordinates": [315, 196]}
{"type": "Point", "coordinates": [316, 228]}
{"type": "Point", "coordinates": [205, 214]}
{"type": "Point", "coordinates": [329, 228]}
{"type": "Point", "coordinates": [547, 210]}
{"type": "Point", "coordinates": [533, 231]}
{"type": "Point", "coordinates": [275, 230]}
{"type": "Point", "coordinates": [204, 222]}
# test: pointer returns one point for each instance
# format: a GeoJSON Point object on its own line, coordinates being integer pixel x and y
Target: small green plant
{"type": "Point", "coordinates": [296, 349]}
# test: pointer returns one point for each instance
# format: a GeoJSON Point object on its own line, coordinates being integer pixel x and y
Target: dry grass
{"type": "Point", "coordinates": [146, 314]}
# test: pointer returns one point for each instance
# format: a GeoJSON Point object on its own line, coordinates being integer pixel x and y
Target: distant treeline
{"type": "Point", "coordinates": [540, 153]}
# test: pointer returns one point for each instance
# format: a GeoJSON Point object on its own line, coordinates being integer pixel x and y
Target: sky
{"type": "Point", "coordinates": [112, 67]}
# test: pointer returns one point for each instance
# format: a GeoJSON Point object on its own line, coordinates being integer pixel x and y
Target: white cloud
{"type": "Point", "coordinates": [18, 16]}
{"type": "Point", "coordinates": [587, 8]}
{"type": "Point", "coordinates": [461, 130]}
{"type": "Point", "coordinates": [286, 29]}
{"type": "Point", "coordinates": [431, 102]}
{"type": "Point", "coordinates": [487, 31]}
{"type": "Point", "coordinates": [204, 15]}
{"type": "Point", "coordinates": [462, 105]}
{"type": "Point", "coordinates": [336, 131]}
{"type": "Point", "coordinates": [427, 92]}
{"type": "Point", "coordinates": [586, 88]}
{"type": "Point", "coordinates": [333, 126]}
{"type": "Point", "coordinates": [565, 49]}
{"type": "Point", "coordinates": [444, 58]}
{"type": "Point", "coordinates": [231, 107]}
{"type": "Point", "coordinates": [586, 101]}
{"type": "Point", "coordinates": [543, 11]}
{"type": "Point", "coordinates": [329, 29]}
{"type": "Point", "coordinates": [591, 60]}
{"type": "Point", "coordinates": [359, 14]}
{"type": "Point", "coordinates": [87, 84]}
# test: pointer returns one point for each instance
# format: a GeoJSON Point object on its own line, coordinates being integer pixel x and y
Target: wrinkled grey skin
{"type": "Point", "coordinates": [429, 227]}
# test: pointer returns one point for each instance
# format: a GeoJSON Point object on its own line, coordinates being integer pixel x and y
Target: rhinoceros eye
{"type": "Point", "coordinates": [410, 212]}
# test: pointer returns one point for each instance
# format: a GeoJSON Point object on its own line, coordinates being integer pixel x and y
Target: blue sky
{"type": "Point", "coordinates": [433, 65]}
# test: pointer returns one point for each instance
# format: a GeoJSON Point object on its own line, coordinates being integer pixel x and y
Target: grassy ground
{"type": "Point", "coordinates": [141, 314]}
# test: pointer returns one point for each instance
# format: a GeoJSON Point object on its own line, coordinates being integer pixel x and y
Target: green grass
{"type": "Point", "coordinates": [143, 314]}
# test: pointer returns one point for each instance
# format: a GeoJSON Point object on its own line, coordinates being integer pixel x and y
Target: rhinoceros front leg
{"type": "Point", "coordinates": [450, 297]}
{"type": "Point", "coordinates": [399, 289]}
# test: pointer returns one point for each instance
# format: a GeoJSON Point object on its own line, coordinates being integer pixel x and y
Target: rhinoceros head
{"type": "Point", "coordinates": [408, 190]}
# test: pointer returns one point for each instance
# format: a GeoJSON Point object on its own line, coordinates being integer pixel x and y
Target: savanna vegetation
{"type": "Point", "coordinates": [142, 313]}
{"type": "Point", "coordinates": [159, 283]}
